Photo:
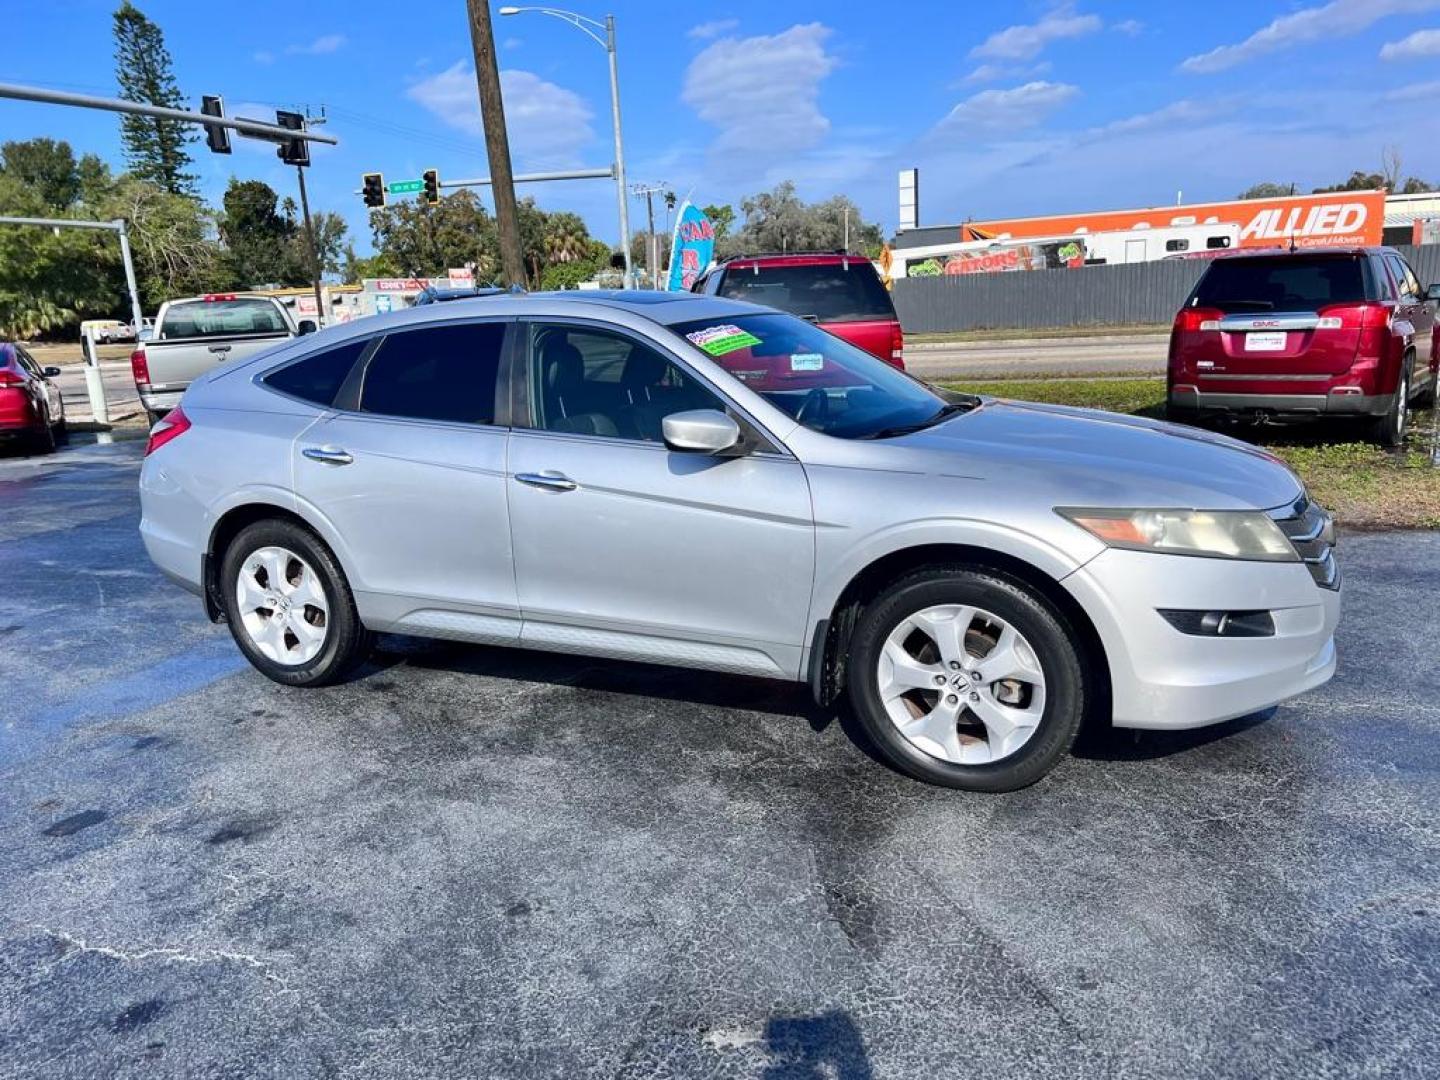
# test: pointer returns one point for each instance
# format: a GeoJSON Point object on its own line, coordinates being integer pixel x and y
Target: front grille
{"type": "Point", "coordinates": [1311, 532]}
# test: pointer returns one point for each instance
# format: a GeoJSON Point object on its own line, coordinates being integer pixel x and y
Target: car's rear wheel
{"type": "Point", "coordinates": [968, 679]}
{"type": "Point", "coordinates": [1389, 430]}
{"type": "Point", "coordinates": [289, 607]}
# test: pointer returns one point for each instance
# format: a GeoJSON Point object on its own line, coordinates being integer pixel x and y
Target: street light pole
{"type": "Point", "coordinates": [619, 152]}
{"type": "Point", "coordinates": [589, 27]}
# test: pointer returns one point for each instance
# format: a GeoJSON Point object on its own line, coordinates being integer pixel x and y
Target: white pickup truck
{"type": "Point", "coordinates": [194, 335]}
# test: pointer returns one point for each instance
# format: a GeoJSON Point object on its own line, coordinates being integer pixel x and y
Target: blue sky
{"type": "Point", "coordinates": [1029, 107]}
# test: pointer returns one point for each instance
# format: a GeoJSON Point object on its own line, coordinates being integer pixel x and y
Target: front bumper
{"type": "Point", "coordinates": [1163, 678]}
{"type": "Point", "coordinates": [1298, 405]}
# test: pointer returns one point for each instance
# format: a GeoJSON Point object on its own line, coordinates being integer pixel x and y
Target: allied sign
{"type": "Point", "coordinates": [1329, 219]}
{"type": "Point", "coordinates": [691, 249]}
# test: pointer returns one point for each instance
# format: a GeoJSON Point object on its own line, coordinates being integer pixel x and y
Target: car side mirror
{"type": "Point", "coordinates": [306, 326]}
{"type": "Point", "coordinates": [1433, 292]}
{"type": "Point", "coordinates": [701, 431]}
{"type": "Point", "coordinates": [51, 372]}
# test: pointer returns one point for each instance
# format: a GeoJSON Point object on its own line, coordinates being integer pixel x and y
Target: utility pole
{"type": "Point", "coordinates": [652, 242]}
{"type": "Point", "coordinates": [847, 230]}
{"type": "Point", "coordinates": [497, 143]}
{"type": "Point", "coordinates": [315, 268]}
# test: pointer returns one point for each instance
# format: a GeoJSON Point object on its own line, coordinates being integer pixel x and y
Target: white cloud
{"type": "Point", "coordinates": [321, 46]}
{"type": "Point", "coordinates": [1185, 111]}
{"type": "Point", "coordinates": [762, 92]}
{"type": "Point", "coordinates": [713, 29]}
{"type": "Point", "coordinates": [548, 125]}
{"type": "Point", "coordinates": [1339, 18]}
{"type": "Point", "coordinates": [1010, 110]}
{"type": "Point", "coordinates": [1417, 46]}
{"type": "Point", "coordinates": [1026, 41]}
{"type": "Point", "coordinates": [1129, 27]}
{"type": "Point", "coordinates": [997, 72]}
{"type": "Point", "coordinates": [1422, 91]}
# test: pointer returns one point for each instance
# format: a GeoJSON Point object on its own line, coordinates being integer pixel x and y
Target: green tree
{"type": "Point", "coordinates": [174, 240]}
{"type": "Point", "coordinates": [722, 217]}
{"type": "Point", "coordinates": [155, 149]}
{"type": "Point", "coordinates": [779, 220]}
{"type": "Point", "coordinates": [45, 166]}
{"type": "Point", "coordinates": [1358, 181]}
{"type": "Point", "coordinates": [356, 269]}
{"type": "Point", "coordinates": [261, 243]}
{"type": "Point", "coordinates": [425, 241]}
{"type": "Point", "coordinates": [1267, 190]}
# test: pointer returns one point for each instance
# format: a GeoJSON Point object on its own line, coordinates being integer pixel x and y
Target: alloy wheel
{"type": "Point", "coordinates": [282, 605]}
{"type": "Point", "coordinates": [961, 684]}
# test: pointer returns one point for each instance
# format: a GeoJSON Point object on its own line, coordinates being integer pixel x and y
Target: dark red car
{"type": "Point", "coordinates": [841, 293]}
{"type": "Point", "coordinates": [31, 410]}
{"type": "Point", "coordinates": [1340, 332]}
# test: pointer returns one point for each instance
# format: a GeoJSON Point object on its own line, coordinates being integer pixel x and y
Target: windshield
{"type": "Point", "coordinates": [1274, 283]}
{"type": "Point", "coordinates": [812, 376]}
{"type": "Point", "coordinates": [831, 292]}
{"type": "Point", "coordinates": [217, 318]}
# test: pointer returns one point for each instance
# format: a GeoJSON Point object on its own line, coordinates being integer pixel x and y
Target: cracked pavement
{"type": "Point", "coordinates": [478, 862]}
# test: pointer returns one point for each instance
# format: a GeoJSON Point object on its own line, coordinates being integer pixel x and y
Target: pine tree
{"type": "Point", "coordinates": [154, 148]}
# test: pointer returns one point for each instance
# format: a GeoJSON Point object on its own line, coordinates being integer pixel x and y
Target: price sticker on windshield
{"type": "Point", "coordinates": [719, 340]}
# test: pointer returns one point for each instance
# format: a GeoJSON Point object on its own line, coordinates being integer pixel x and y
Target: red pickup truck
{"type": "Point", "coordinates": [840, 293]}
{"type": "Point", "coordinates": [1338, 332]}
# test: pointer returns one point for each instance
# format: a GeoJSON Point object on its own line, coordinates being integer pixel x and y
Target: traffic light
{"type": "Point", "coordinates": [216, 137]}
{"type": "Point", "coordinates": [373, 189]}
{"type": "Point", "coordinates": [293, 151]}
{"type": "Point", "coordinates": [430, 193]}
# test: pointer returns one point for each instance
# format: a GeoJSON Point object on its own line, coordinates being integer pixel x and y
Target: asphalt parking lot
{"type": "Point", "coordinates": [473, 862]}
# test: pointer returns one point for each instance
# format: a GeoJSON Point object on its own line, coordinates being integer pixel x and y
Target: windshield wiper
{"type": "Point", "coordinates": [946, 411]}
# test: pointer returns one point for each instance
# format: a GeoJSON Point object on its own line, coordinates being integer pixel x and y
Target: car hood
{"type": "Point", "coordinates": [1085, 457]}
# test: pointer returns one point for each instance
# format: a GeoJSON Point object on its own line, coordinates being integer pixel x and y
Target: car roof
{"type": "Point", "coordinates": [794, 258]}
{"type": "Point", "coordinates": [1302, 252]}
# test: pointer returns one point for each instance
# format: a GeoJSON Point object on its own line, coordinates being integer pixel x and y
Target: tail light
{"type": "Point", "coordinates": [10, 378]}
{"type": "Point", "coordinates": [140, 367]}
{"type": "Point", "coordinates": [170, 426]}
{"type": "Point", "coordinates": [1355, 317]}
{"type": "Point", "coordinates": [1198, 320]}
{"type": "Point", "coordinates": [897, 346]}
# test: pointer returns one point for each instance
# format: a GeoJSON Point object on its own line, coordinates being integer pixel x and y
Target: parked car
{"type": "Point", "coordinates": [145, 331]}
{"type": "Point", "coordinates": [192, 336]}
{"type": "Point", "coordinates": [105, 331]}
{"type": "Point", "coordinates": [432, 294]}
{"type": "Point", "coordinates": [840, 293]}
{"type": "Point", "coordinates": [1344, 332]}
{"type": "Point", "coordinates": [607, 474]}
{"type": "Point", "coordinates": [31, 409]}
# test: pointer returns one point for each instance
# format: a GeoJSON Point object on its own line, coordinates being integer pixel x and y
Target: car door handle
{"type": "Point", "coordinates": [329, 455]}
{"type": "Point", "coordinates": [547, 480]}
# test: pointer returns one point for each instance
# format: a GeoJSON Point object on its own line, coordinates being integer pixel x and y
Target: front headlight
{"type": "Point", "coordinates": [1217, 534]}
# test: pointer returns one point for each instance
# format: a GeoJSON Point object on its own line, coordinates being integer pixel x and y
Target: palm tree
{"type": "Point", "coordinates": [566, 238]}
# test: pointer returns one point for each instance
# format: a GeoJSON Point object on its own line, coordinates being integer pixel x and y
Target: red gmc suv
{"type": "Point", "coordinates": [841, 293]}
{"type": "Point", "coordinates": [1308, 333]}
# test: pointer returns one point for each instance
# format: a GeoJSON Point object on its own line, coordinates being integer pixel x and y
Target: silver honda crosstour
{"type": "Point", "coordinates": [695, 481]}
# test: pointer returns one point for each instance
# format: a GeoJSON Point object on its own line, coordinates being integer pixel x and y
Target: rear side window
{"type": "Point", "coordinates": [218, 318]}
{"type": "Point", "coordinates": [835, 292]}
{"type": "Point", "coordinates": [1304, 283]}
{"type": "Point", "coordinates": [318, 377]}
{"type": "Point", "coordinates": [1404, 278]}
{"type": "Point", "coordinates": [438, 373]}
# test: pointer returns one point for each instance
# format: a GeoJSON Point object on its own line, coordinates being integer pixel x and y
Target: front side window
{"type": "Point", "coordinates": [318, 377]}
{"type": "Point", "coordinates": [436, 373]}
{"type": "Point", "coordinates": [1409, 285]}
{"type": "Point", "coordinates": [816, 378]}
{"type": "Point", "coordinates": [593, 382]}
{"type": "Point", "coordinates": [220, 318]}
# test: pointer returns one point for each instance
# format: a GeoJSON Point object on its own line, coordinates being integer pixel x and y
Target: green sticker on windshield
{"type": "Point", "coordinates": [719, 340]}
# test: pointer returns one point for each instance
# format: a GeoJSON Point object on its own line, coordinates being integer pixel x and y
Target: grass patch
{"type": "Point", "coordinates": [1363, 485]}
{"type": "Point", "coordinates": [1040, 333]}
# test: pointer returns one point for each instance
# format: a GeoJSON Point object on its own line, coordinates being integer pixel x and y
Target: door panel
{"type": "Point", "coordinates": [650, 541]}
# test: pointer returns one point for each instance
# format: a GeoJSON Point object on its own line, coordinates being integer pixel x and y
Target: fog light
{"type": "Point", "coordinates": [1220, 623]}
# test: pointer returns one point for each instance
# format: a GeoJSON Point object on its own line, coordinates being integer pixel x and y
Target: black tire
{"type": "Point", "coordinates": [347, 642]}
{"type": "Point", "coordinates": [61, 431]}
{"type": "Point", "coordinates": [1389, 430]}
{"type": "Point", "coordinates": [43, 441]}
{"type": "Point", "coordinates": [1055, 643]}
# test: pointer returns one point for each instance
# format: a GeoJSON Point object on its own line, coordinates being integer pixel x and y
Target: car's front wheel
{"type": "Point", "coordinates": [289, 607]}
{"type": "Point", "coordinates": [968, 679]}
